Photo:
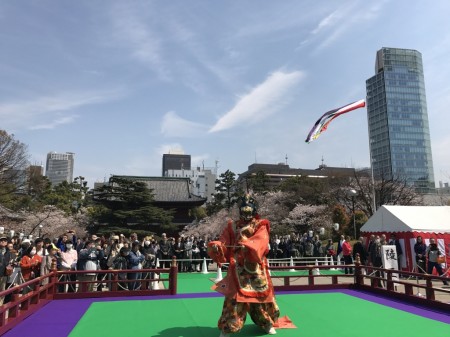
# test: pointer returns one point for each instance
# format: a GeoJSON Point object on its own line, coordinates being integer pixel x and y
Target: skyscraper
{"type": "Point", "coordinates": [399, 134]}
{"type": "Point", "coordinates": [59, 167]}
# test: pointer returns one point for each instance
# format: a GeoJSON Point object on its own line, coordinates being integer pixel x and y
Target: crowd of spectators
{"type": "Point", "coordinates": [22, 260]}
{"type": "Point", "coordinates": [30, 259]}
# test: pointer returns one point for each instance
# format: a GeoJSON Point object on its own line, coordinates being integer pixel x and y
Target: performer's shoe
{"type": "Point", "coordinates": [224, 334]}
{"type": "Point", "coordinates": [270, 330]}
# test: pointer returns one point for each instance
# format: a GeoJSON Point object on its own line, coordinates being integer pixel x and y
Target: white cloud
{"type": "Point", "coordinates": [132, 31]}
{"type": "Point", "coordinates": [262, 101]}
{"type": "Point", "coordinates": [174, 126]}
{"type": "Point", "coordinates": [26, 113]}
{"type": "Point", "coordinates": [55, 123]}
{"type": "Point", "coordinates": [344, 19]}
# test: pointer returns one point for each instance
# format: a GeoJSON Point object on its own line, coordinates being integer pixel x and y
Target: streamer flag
{"type": "Point", "coordinates": [323, 122]}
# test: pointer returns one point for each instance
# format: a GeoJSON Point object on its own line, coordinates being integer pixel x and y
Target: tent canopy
{"type": "Point", "coordinates": [434, 219]}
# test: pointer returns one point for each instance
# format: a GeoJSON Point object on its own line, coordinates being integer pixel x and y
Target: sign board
{"type": "Point", "coordinates": [389, 257]}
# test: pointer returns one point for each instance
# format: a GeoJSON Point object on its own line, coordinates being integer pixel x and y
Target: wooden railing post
{"type": "Point", "coordinates": [173, 274]}
{"type": "Point", "coordinates": [389, 283]}
{"type": "Point", "coordinates": [359, 280]}
{"type": "Point", "coordinates": [430, 290]}
{"type": "Point", "coordinates": [310, 277]}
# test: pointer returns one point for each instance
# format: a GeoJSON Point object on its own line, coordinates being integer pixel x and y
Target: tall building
{"type": "Point", "coordinates": [399, 134]}
{"type": "Point", "coordinates": [59, 167]}
{"type": "Point", "coordinates": [175, 161]}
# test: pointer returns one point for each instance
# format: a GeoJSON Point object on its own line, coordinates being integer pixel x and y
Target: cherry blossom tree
{"type": "Point", "coordinates": [308, 217]}
{"type": "Point", "coordinates": [211, 226]}
{"type": "Point", "coordinates": [51, 222]}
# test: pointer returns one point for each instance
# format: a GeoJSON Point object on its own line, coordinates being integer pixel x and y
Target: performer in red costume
{"type": "Point", "coordinates": [247, 287]}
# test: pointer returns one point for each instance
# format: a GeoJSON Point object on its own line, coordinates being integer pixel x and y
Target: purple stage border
{"type": "Point", "coordinates": [59, 317]}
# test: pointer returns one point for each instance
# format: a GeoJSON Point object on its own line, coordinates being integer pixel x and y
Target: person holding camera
{"type": "Point", "coordinates": [88, 260]}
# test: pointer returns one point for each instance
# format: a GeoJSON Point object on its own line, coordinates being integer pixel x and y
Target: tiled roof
{"type": "Point", "coordinates": [7, 213]}
{"type": "Point", "coordinates": [167, 189]}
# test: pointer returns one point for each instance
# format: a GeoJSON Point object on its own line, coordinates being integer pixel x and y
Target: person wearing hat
{"type": "Point", "coordinates": [5, 260]}
{"type": "Point", "coordinates": [247, 288]}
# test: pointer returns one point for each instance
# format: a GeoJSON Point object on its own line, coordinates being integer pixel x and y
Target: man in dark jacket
{"type": "Point", "coordinates": [5, 260]}
{"type": "Point", "coordinates": [88, 259]}
{"type": "Point", "coordinates": [358, 248]}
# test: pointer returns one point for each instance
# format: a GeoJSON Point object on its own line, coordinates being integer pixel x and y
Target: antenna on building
{"type": "Point", "coordinates": [286, 158]}
{"type": "Point", "coordinates": [216, 167]}
{"type": "Point", "coordinates": [255, 158]}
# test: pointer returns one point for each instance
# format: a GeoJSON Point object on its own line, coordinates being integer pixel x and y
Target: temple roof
{"type": "Point", "coordinates": [169, 189]}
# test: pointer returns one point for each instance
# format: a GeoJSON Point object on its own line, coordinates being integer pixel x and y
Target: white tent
{"type": "Point", "coordinates": [409, 222]}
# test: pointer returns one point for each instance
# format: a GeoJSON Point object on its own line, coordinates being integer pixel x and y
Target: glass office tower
{"type": "Point", "coordinates": [399, 134]}
{"type": "Point", "coordinates": [59, 167]}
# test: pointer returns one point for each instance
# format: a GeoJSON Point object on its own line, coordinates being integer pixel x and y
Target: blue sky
{"type": "Point", "coordinates": [119, 83]}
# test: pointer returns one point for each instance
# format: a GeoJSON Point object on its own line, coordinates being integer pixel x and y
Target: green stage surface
{"type": "Point", "coordinates": [323, 314]}
{"type": "Point", "coordinates": [191, 283]}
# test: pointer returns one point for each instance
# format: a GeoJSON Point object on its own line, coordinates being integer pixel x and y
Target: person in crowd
{"type": "Point", "coordinates": [152, 251]}
{"type": "Point", "coordinates": [376, 252]}
{"type": "Point", "coordinates": [30, 264]}
{"type": "Point", "coordinates": [165, 251]}
{"type": "Point", "coordinates": [120, 262]}
{"type": "Point", "coordinates": [309, 250]}
{"type": "Point", "coordinates": [274, 251]}
{"type": "Point", "coordinates": [420, 249]}
{"type": "Point", "coordinates": [433, 254]}
{"type": "Point", "coordinates": [370, 248]}
{"type": "Point", "coordinates": [339, 249]}
{"type": "Point", "coordinates": [133, 238]}
{"type": "Point", "coordinates": [135, 262]}
{"type": "Point", "coordinates": [49, 260]}
{"type": "Point", "coordinates": [66, 237]}
{"type": "Point", "coordinates": [40, 250]}
{"type": "Point", "coordinates": [102, 262]}
{"type": "Point", "coordinates": [318, 250]}
{"type": "Point", "coordinates": [69, 258]}
{"type": "Point", "coordinates": [347, 255]}
{"type": "Point", "coordinates": [247, 286]}
{"type": "Point", "coordinates": [14, 277]}
{"type": "Point", "coordinates": [359, 249]}
{"type": "Point", "coordinates": [88, 260]}
{"type": "Point", "coordinates": [297, 248]}
{"type": "Point", "coordinates": [150, 258]}
{"type": "Point", "coordinates": [329, 249]}
{"type": "Point", "coordinates": [5, 265]}
{"type": "Point", "coordinates": [112, 250]}
{"type": "Point", "coordinates": [81, 242]}
{"type": "Point", "coordinates": [282, 248]}
{"type": "Point", "coordinates": [188, 254]}
{"type": "Point", "coordinates": [24, 246]}
{"type": "Point", "coordinates": [195, 255]}
{"type": "Point", "coordinates": [178, 249]}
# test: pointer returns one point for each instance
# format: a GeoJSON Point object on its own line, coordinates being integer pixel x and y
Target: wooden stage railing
{"type": "Point", "coordinates": [27, 298]}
